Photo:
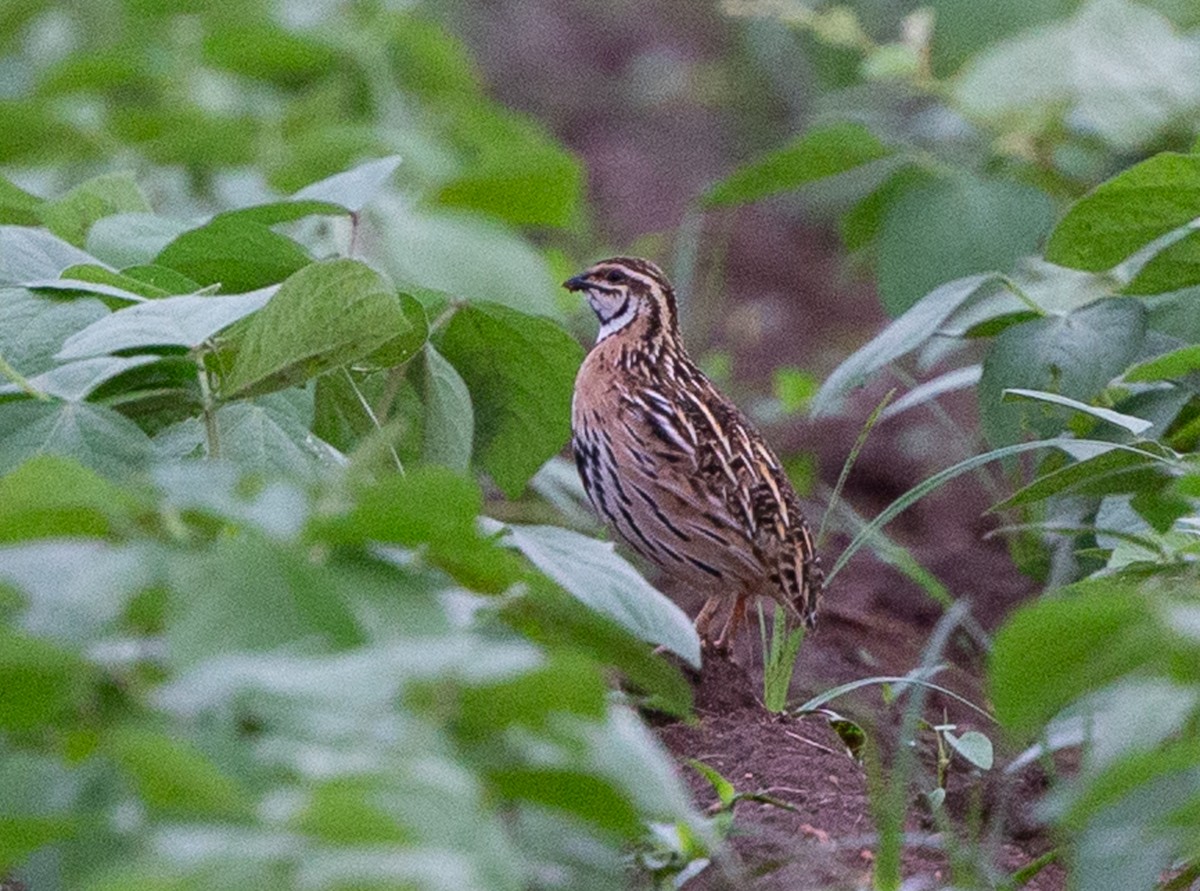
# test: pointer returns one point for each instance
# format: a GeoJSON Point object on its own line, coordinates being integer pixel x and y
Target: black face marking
{"type": "Point", "coordinates": [620, 311]}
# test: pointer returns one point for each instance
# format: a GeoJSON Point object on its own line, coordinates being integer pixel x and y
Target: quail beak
{"type": "Point", "coordinates": [578, 283]}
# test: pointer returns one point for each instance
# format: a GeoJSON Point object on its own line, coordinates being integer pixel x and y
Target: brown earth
{"type": "Point", "coordinates": [771, 290]}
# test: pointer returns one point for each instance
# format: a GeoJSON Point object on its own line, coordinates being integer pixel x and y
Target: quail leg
{"type": "Point", "coordinates": [737, 618]}
{"type": "Point", "coordinates": [705, 618]}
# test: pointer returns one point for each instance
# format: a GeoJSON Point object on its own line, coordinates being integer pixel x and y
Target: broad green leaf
{"type": "Point", "coordinates": [546, 614]}
{"type": "Point", "coordinates": [1117, 69]}
{"type": "Point", "coordinates": [170, 774]}
{"type": "Point", "coordinates": [1074, 355]}
{"type": "Point", "coordinates": [860, 225]}
{"type": "Point", "coordinates": [239, 255]}
{"type": "Point", "coordinates": [39, 682]}
{"type": "Point", "coordinates": [94, 435]}
{"type": "Point", "coordinates": [521, 373]}
{"type": "Point", "coordinates": [1175, 267]}
{"type": "Point", "coordinates": [950, 227]}
{"type": "Point", "coordinates": [352, 189]}
{"type": "Point", "coordinates": [35, 327]}
{"type": "Point", "coordinates": [449, 415]}
{"type": "Point", "coordinates": [466, 255]}
{"type": "Point", "coordinates": [23, 834]}
{"type": "Point", "coordinates": [34, 254]}
{"type": "Point", "coordinates": [262, 436]}
{"type": "Point", "coordinates": [51, 497]}
{"type": "Point", "coordinates": [1170, 366]}
{"type": "Point", "coordinates": [130, 239]}
{"type": "Point", "coordinates": [71, 216]}
{"type": "Point", "coordinates": [267, 51]}
{"type": "Point", "coordinates": [592, 571]}
{"type": "Point", "coordinates": [1123, 215]}
{"type": "Point", "coordinates": [1058, 648]}
{"type": "Point", "coordinates": [815, 155]}
{"type": "Point", "coordinates": [161, 278]}
{"type": "Point", "coordinates": [427, 505]}
{"type": "Point", "coordinates": [1117, 471]}
{"type": "Point", "coordinates": [328, 314]}
{"type": "Point", "coordinates": [1133, 425]}
{"type": "Point", "coordinates": [18, 207]}
{"type": "Point", "coordinates": [973, 746]}
{"type": "Point", "coordinates": [185, 321]}
{"type": "Point", "coordinates": [583, 795]}
{"type": "Point", "coordinates": [905, 334]}
{"type": "Point", "coordinates": [117, 297]}
{"type": "Point", "coordinates": [216, 606]}
{"type": "Point", "coordinates": [99, 275]}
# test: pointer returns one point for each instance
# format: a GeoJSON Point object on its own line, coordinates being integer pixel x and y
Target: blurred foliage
{"type": "Point", "coordinates": [947, 140]}
{"type": "Point", "coordinates": [271, 328]}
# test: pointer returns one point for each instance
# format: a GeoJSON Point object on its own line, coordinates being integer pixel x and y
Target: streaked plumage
{"type": "Point", "coordinates": [673, 466]}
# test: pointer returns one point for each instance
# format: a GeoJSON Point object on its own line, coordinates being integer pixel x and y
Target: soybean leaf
{"type": "Point", "coordinates": [129, 239]}
{"type": "Point", "coordinates": [185, 321]}
{"type": "Point", "coordinates": [815, 155]}
{"type": "Point", "coordinates": [75, 381]}
{"type": "Point", "coordinates": [34, 254]}
{"type": "Point", "coordinates": [263, 436]}
{"type": "Point", "coordinates": [39, 682]}
{"type": "Point", "coordinates": [238, 254]}
{"type": "Point", "coordinates": [1058, 648]}
{"type": "Point", "coordinates": [35, 327]}
{"type": "Point", "coordinates": [1123, 215]}
{"type": "Point", "coordinates": [94, 435]}
{"type": "Point", "coordinates": [973, 746]}
{"type": "Point", "coordinates": [90, 274]}
{"type": "Point", "coordinates": [902, 336]}
{"type": "Point", "coordinates": [18, 207]}
{"type": "Point", "coordinates": [71, 216]}
{"type": "Point", "coordinates": [1169, 366]}
{"type": "Point", "coordinates": [1128, 422]}
{"type": "Point", "coordinates": [52, 497]}
{"type": "Point", "coordinates": [1175, 267]}
{"type": "Point", "coordinates": [520, 370]}
{"type": "Point", "coordinates": [1075, 355]}
{"type": "Point", "coordinates": [327, 314]}
{"type": "Point", "coordinates": [1116, 471]}
{"type": "Point", "coordinates": [172, 775]}
{"type": "Point", "coordinates": [592, 571]}
{"type": "Point", "coordinates": [449, 415]}
{"type": "Point", "coordinates": [352, 189]}
{"type": "Point", "coordinates": [946, 228]}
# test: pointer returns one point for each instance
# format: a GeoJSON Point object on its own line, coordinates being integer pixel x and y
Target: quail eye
{"type": "Point", "coordinates": [613, 276]}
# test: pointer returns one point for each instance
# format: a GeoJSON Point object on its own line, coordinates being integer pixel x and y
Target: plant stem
{"type": "Point", "coordinates": [211, 432]}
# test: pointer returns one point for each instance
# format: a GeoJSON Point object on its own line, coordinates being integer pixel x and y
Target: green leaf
{"type": "Point", "coordinates": [583, 795]}
{"type": "Point", "coordinates": [71, 216]}
{"type": "Point", "coordinates": [1075, 355]}
{"type": "Point", "coordinates": [28, 255]}
{"type": "Point", "coordinates": [724, 789]}
{"type": "Point", "coordinates": [17, 206]}
{"type": "Point", "coordinates": [39, 683]}
{"type": "Point", "coordinates": [815, 155]}
{"type": "Point", "coordinates": [1123, 215]}
{"type": "Point", "coordinates": [1127, 422]}
{"type": "Point", "coordinates": [238, 254]}
{"type": "Point", "coordinates": [185, 321]}
{"type": "Point", "coordinates": [449, 415]}
{"type": "Point", "coordinates": [1112, 472]}
{"type": "Point", "coordinates": [521, 373]}
{"type": "Point", "coordinates": [326, 315]}
{"type": "Point", "coordinates": [352, 189]}
{"type": "Point", "coordinates": [22, 835]}
{"type": "Point", "coordinates": [1058, 648]}
{"type": "Point", "coordinates": [130, 239]}
{"type": "Point", "coordinates": [593, 572]}
{"type": "Point", "coordinates": [262, 436]}
{"type": "Point", "coordinates": [1169, 366]}
{"type": "Point", "coordinates": [35, 327]}
{"type": "Point", "coordinates": [973, 746]}
{"type": "Point", "coordinates": [94, 435]}
{"type": "Point", "coordinates": [950, 227]}
{"type": "Point", "coordinates": [217, 606]}
{"type": "Point", "coordinates": [91, 274]}
{"type": "Point", "coordinates": [860, 226]}
{"type": "Point", "coordinates": [51, 497]}
{"type": "Point", "coordinates": [172, 775]}
{"type": "Point", "coordinates": [905, 334]}
{"type": "Point", "coordinates": [268, 52]}
{"type": "Point", "coordinates": [1175, 267]}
